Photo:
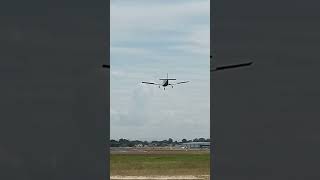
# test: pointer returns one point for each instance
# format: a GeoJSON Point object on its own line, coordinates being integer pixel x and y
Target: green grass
{"type": "Point", "coordinates": [160, 164]}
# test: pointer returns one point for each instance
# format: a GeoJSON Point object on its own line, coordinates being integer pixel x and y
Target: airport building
{"type": "Point", "coordinates": [196, 145]}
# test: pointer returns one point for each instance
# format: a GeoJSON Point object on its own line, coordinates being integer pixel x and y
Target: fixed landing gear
{"type": "Point", "coordinates": [164, 88]}
{"type": "Point", "coordinates": [172, 86]}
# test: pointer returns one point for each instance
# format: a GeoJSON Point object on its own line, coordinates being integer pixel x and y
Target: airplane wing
{"type": "Point", "coordinates": [231, 66]}
{"type": "Point", "coordinates": [150, 83]}
{"type": "Point", "coordinates": [180, 82]}
{"type": "Point", "coordinates": [105, 66]}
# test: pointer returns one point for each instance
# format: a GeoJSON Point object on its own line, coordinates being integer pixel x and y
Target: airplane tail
{"type": "Point", "coordinates": [167, 78]}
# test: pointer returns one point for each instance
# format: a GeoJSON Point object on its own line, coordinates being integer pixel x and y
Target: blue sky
{"type": "Point", "coordinates": [150, 38]}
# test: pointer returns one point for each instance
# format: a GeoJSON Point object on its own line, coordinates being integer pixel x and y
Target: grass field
{"type": "Point", "coordinates": [160, 163]}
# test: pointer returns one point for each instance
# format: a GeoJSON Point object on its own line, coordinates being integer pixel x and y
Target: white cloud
{"type": "Point", "coordinates": [129, 51]}
{"type": "Point", "coordinates": [155, 16]}
{"type": "Point", "coordinates": [118, 74]}
{"type": "Point", "coordinates": [187, 22]}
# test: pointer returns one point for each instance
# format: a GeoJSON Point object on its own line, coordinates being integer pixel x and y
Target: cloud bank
{"type": "Point", "coordinates": [148, 40]}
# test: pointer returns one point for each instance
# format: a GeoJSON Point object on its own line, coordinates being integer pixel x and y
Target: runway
{"type": "Point", "coordinates": [187, 177]}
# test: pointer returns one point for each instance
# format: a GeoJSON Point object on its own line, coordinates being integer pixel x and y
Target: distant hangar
{"type": "Point", "coordinates": [197, 145]}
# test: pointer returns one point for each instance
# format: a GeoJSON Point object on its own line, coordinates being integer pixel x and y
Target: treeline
{"type": "Point", "coordinates": [163, 143]}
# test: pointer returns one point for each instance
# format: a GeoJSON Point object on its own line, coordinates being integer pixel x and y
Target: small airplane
{"type": "Point", "coordinates": [165, 82]}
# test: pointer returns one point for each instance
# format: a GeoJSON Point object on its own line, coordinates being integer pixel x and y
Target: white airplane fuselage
{"type": "Point", "coordinates": [165, 83]}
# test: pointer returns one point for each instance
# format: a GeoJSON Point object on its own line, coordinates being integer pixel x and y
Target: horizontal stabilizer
{"type": "Point", "coordinates": [167, 79]}
{"type": "Point", "coordinates": [232, 66]}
